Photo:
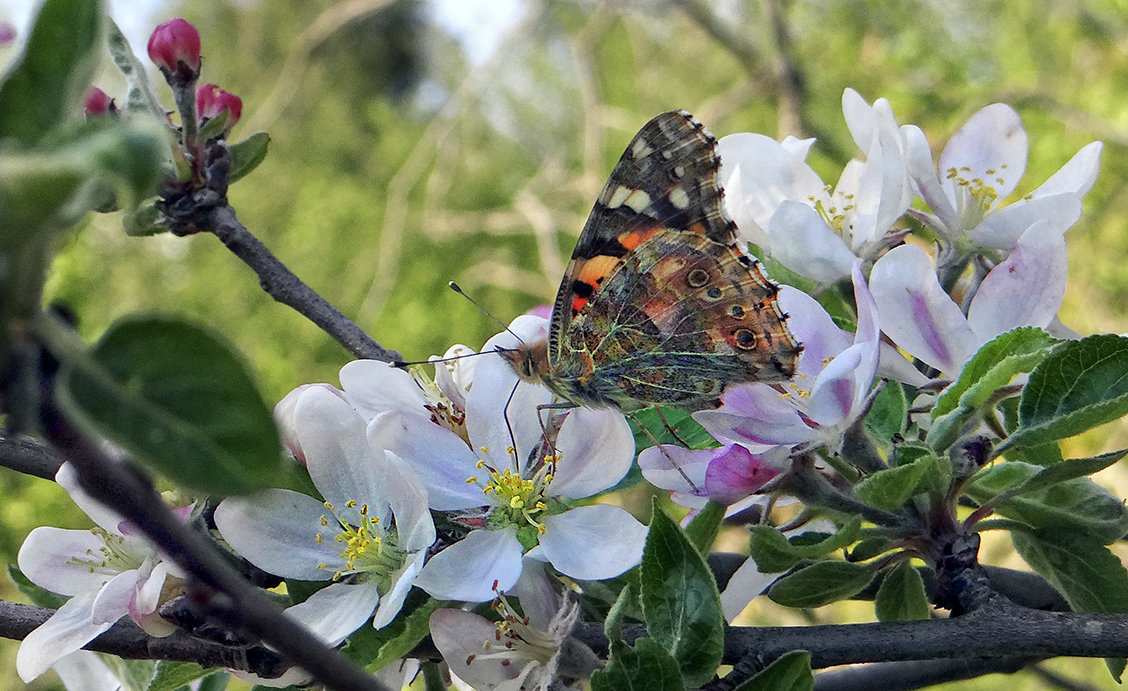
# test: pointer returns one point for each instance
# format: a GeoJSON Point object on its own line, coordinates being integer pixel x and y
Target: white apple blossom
{"type": "Point", "coordinates": [489, 466]}
{"type": "Point", "coordinates": [369, 537]}
{"type": "Point", "coordinates": [979, 168]}
{"type": "Point", "coordinates": [108, 572]}
{"type": "Point", "coordinates": [781, 204]}
{"type": "Point", "coordinates": [1024, 290]}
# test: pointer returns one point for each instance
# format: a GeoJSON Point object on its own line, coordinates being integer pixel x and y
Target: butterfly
{"type": "Point", "coordinates": [659, 305]}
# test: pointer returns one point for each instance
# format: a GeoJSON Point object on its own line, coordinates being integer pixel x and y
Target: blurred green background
{"type": "Point", "coordinates": [414, 143]}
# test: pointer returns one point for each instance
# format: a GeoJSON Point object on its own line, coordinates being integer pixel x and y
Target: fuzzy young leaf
{"type": "Point", "coordinates": [1077, 504]}
{"type": "Point", "coordinates": [247, 155]}
{"type": "Point", "coordinates": [1085, 572]}
{"type": "Point", "coordinates": [889, 413]}
{"type": "Point", "coordinates": [901, 596]}
{"type": "Point", "coordinates": [140, 97]}
{"type": "Point", "coordinates": [820, 584]}
{"type": "Point", "coordinates": [645, 667]}
{"type": "Point", "coordinates": [890, 489]}
{"type": "Point", "coordinates": [375, 648]}
{"type": "Point", "coordinates": [1079, 385]}
{"type": "Point", "coordinates": [702, 530]}
{"type": "Point", "coordinates": [775, 553]}
{"type": "Point", "coordinates": [789, 672]}
{"type": "Point", "coordinates": [174, 675]}
{"type": "Point", "coordinates": [177, 397]}
{"type": "Point", "coordinates": [43, 90]}
{"type": "Point", "coordinates": [680, 602]}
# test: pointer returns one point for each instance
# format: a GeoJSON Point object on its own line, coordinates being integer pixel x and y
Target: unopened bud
{"type": "Point", "coordinates": [175, 48]}
{"type": "Point", "coordinates": [97, 102]}
{"type": "Point", "coordinates": [211, 101]}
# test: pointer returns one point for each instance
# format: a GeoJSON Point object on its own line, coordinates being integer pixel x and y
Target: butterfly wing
{"type": "Point", "coordinates": [659, 304]}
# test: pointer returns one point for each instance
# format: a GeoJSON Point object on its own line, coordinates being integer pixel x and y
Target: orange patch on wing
{"type": "Point", "coordinates": [698, 228]}
{"type": "Point", "coordinates": [592, 272]}
{"type": "Point", "coordinates": [635, 238]}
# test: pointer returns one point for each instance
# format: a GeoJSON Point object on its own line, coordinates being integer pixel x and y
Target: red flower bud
{"type": "Point", "coordinates": [175, 48]}
{"type": "Point", "coordinates": [211, 101]}
{"type": "Point", "coordinates": [97, 103]}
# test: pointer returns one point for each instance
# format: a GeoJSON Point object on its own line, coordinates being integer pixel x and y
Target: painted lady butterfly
{"type": "Point", "coordinates": [659, 305]}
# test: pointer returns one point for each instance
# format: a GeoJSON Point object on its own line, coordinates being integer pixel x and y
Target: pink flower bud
{"type": "Point", "coordinates": [98, 103]}
{"type": "Point", "coordinates": [211, 101]}
{"type": "Point", "coordinates": [175, 48]}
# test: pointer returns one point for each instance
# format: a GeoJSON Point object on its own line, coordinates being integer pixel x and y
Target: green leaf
{"type": "Point", "coordinates": [680, 602]}
{"type": "Point", "coordinates": [1085, 572]}
{"type": "Point", "coordinates": [143, 221]}
{"type": "Point", "coordinates": [645, 667]}
{"type": "Point", "coordinates": [789, 672]}
{"type": "Point", "coordinates": [39, 596]}
{"type": "Point", "coordinates": [890, 489]}
{"type": "Point", "coordinates": [101, 164]}
{"type": "Point", "coordinates": [247, 155]}
{"type": "Point", "coordinates": [869, 547]}
{"type": "Point", "coordinates": [820, 584]}
{"type": "Point", "coordinates": [901, 596]}
{"type": "Point", "coordinates": [1078, 503]}
{"type": "Point", "coordinates": [180, 399]}
{"type": "Point", "coordinates": [216, 681]}
{"type": "Point", "coordinates": [1080, 384]}
{"type": "Point", "coordinates": [44, 88]}
{"type": "Point", "coordinates": [376, 648]}
{"type": "Point", "coordinates": [992, 367]}
{"type": "Point", "coordinates": [679, 427]}
{"type": "Point", "coordinates": [140, 97]}
{"type": "Point", "coordinates": [613, 624]}
{"type": "Point", "coordinates": [775, 553]}
{"type": "Point", "coordinates": [889, 413]}
{"type": "Point", "coordinates": [703, 529]}
{"type": "Point", "coordinates": [173, 675]}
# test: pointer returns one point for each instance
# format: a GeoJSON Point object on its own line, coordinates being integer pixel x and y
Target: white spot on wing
{"type": "Point", "coordinates": [640, 148]}
{"type": "Point", "coordinates": [679, 198]}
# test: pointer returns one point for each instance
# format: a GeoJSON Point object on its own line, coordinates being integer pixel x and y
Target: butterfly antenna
{"type": "Point", "coordinates": [458, 289]}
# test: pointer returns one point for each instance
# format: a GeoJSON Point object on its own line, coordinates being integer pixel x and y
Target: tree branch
{"type": "Point", "coordinates": [28, 455]}
{"type": "Point", "coordinates": [207, 210]}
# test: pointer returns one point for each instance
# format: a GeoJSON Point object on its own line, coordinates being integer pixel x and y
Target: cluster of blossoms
{"type": "Point", "coordinates": [469, 485]}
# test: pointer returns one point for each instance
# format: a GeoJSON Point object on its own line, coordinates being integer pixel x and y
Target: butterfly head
{"type": "Point", "coordinates": [528, 360]}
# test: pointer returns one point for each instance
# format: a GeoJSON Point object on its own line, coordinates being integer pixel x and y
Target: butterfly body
{"type": "Point", "coordinates": [659, 305]}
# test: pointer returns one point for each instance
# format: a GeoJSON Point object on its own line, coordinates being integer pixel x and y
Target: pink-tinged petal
{"type": "Point", "coordinates": [743, 586]}
{"type": "Point", "coordinates": [338, 457]}
{"type": "Point", "coordinates": [115, 599]}
{"type": "Point", "coordinates": [374, 387]}
{"type": "Point", "coordinates": [802, 242]}
{"type": "Point", "coordinates": [884, 193]}
{"type": "Point", "coordinates": [440, 458]}
{"type": "Point", "coordinates": [407, 497]}
{"type": "Point", "coordinates": [462, 638]}
{"type": "Point", "coordinates": [868, 327]}
{"type": "Point", "coordinates": [284, 417]}
{"type": "Point", "coordinates": [836, 393]}
{"type": "Point", "coordinates": [143, 609]}
{"type": "Point", "coordinates": [1001, 229]}
{"type": "Point", "coordinates": [67, 478]}
{"type": "Point", "coordinates": [922, 171]}
{"type": "Point", "coordinates": [916, 312]}
{"type": "Point", "coordinates": [392, 602]}
{"type": "Point", "coordinates": [596, 450]}
{"type": "Point", "coordinates": [471, 569]}
{"type": "Point", "coordinates": [337, 610]}
{"type": "Point", "coordinates": [991, 146]}
{"type": "Point", "coordinates": [591, 543]}
{"type": "Point", "coordinates": [1076, 176]}
{"type": "Point", "coordinates": [814, 328]}
{"type": "Point", "coordinates": [736, 473]}
{"type": "Point", "coordinates": [758, 414]}
{"type": "Point", "coordinates": [276, 530]}
{"type": "Point", "coordinates": [1025, 290]}
{"type": "Point", "coordinates": [891, 364]}
{"type": "Point", "coordinates": [661, 464]}
{"type": "Point", "coordinates": [68, 629]}
{"type": "Point", "coordinates": [747, 229]}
